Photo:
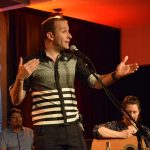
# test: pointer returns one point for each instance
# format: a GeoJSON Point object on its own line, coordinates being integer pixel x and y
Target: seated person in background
{"type": "Point", "coordinates": [123, 129]}
{"type": "Point", "coordinates": [16, 137]}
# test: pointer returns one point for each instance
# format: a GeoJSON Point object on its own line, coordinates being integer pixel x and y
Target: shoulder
{"type": "Point", "coordinates": [26, 129]}
{"type": "Point", "coordinates": [5, 133]}
{"type": "Point", "coordinates": [110, 123]}
{"type": "Point", "coordinates": [113, 125]}
{"type": "Point", "coordinates": [6, 130]}
{"type": "Point", "coordinates": [145, 128]}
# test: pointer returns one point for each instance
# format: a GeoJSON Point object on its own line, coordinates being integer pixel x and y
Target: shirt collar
{"type": "Point", "coordinates": [63, 56]}
{"type": "Point", "coordinates": [9, 129]}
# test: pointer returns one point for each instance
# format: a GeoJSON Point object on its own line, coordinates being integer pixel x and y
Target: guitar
{"type": "Point", "coordinates": [116, 144]}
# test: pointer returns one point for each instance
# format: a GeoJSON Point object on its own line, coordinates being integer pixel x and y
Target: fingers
{"type": "Point", "coordinates": [25, 70]}
{"type": "Point", "coordinates": [31, 65]}
{"type": "Point", "coordinates": [125, 59]}
{"type": "Point", "coordinates": [131, 131]}
{"type": "Point", "coordinates": [28, 68]}
{"type": "Point", "coordinates": [134, 67]}
{"type": "Point", "coordinates": [20, 62]}
{"type": "Point", "coordinates": [127, 133]}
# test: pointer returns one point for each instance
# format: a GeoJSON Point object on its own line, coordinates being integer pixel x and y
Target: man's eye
{"type": "Point", "coordinates": [13, 117]}
{"type": "Point", "coordinates": [16, 117]}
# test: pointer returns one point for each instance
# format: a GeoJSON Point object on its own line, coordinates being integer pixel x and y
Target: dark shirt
{"type": "Point", "coordinates": [22, 140]}
{"type": "Point", "coordinates": [120, 126]}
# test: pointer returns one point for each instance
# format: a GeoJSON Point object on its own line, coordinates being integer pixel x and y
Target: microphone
{"type": "Point", "coordinates": [88, 62]}
{"type": "Point", "coordinates": [77, 52]}
{"type": "Point", "coordinates": [73, 48]}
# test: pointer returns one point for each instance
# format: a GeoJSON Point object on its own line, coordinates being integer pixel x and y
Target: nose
{"type": "Point", "coordinates": [18, 118]}
{"type": "Point", "coordinates": [69, 35]}
{"type": "Point", "coordinates": [132, 114]}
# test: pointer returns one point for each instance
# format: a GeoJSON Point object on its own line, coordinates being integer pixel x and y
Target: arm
{"type": "Point", "coordinates": [108, 133]}
{"type": "Point", "coordinates": [17, 92]}
{"type": "Point", "coordinates": [122, 70]}
{"type": "Point", "coordinates": [114, 129]}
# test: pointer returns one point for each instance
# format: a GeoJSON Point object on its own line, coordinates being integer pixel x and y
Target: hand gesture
{"type": "Point", "coordinates": [25, 70]}
{"type": "Point", "coordinates": [124, 69]}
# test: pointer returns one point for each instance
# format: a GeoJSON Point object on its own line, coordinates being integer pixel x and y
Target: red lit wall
{"type": "Point", "coordinates": [135, 43]}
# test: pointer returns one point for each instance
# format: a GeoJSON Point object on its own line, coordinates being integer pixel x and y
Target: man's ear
{"type": "Point", "coordinates": [50, 36]}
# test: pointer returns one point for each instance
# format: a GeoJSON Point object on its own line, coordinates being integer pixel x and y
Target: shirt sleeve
{"type": "Point", "coordinates": [146, 135]}
{"type": "Point", "coordinates": [84, 74]}
{"type": "Point", "coordinates": [110, 125]}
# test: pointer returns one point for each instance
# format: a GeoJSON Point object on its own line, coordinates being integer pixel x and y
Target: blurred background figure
{"type": "Point", "coordinates": [124, 128]}
{"type": "Point", "coordinates": [16, 137]}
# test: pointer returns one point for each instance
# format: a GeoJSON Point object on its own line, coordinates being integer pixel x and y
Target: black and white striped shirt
{"type": "Point", "coordinates": [53, 91]}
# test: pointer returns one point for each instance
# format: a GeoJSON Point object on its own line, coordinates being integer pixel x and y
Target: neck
{"type": "Point", "coordinates": [16, 129]}
{"type": "Point", "coordinates": [51, 51]}
{"type": "Point", "coordinates": [52, 54]}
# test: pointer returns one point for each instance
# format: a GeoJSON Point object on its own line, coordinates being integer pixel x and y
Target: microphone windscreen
{"type": "Point", "coordinates": [73, 48]}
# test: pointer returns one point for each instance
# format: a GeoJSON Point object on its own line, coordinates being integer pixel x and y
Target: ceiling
{"type": "Point", "coordinates": [117, 13]}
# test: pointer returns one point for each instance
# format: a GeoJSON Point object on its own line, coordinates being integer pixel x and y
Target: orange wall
{"type": "Point", "coordinates": [135, 42]}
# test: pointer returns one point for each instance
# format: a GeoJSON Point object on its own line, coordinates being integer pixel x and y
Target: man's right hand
{"type": "Point", "coordinates": [25, 70]}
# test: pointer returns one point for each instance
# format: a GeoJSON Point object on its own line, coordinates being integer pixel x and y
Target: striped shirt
{"type": "Point", "coordinates": [52, 89]}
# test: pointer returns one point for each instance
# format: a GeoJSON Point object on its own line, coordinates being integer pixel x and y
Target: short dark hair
{"type": "Point", "coordinates": [131, 100]}
{"type": "Point", "coordinates": [48, 24]}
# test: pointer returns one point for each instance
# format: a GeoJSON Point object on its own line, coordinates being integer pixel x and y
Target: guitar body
{"type": "Point", "coordinates": [115, 144]}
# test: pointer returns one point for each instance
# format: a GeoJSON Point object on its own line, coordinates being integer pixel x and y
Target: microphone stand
{"type": "Point", "coordinates": [122, 110]}
{"type": "Point", "coordinates": [114, 100]}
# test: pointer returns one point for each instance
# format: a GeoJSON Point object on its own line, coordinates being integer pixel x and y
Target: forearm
{"type": "Point", "coordinates": [17, 93]}
{"type": "Point", "coordinates": [107, 80]}
{"type": "Point", "coordinates": [108, 133]}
